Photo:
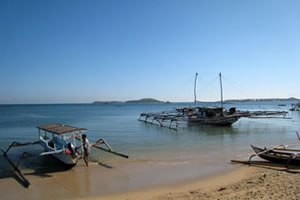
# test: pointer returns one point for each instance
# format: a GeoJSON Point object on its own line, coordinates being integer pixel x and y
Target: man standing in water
{"type": "Point", "coordinates": [86, 149]}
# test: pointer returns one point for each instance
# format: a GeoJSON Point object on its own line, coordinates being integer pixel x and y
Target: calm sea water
{"type": "Point", "coordinates": [199, 147]}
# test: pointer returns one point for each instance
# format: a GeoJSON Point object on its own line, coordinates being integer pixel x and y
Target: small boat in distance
{"type": "Point", "coordinates": [295, 107]}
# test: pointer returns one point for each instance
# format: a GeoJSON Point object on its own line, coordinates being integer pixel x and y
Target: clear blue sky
{"type": "Point", "coordinates": [70, 51]}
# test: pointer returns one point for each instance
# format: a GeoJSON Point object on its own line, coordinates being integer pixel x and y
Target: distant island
{"type": "Point", "coordinates": [152, 100]}
{"type": "Point", "coordinates": [266, 99]}
{"type": "Point", "coordinates": [143, 100]}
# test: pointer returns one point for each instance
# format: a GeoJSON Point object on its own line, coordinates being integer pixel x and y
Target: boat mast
{"type": "Point", "coordinates": [221, 91]}
{"type": "Point", "coordinates": [195, 85]}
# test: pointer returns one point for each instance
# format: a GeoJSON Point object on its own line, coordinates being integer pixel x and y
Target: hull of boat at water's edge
{"type": "Point", "coordinates": [277, 157]}
{"type": "Point", "coordinates": [66, 158]}
{"type": "Point", "coordinates": [222, 121]}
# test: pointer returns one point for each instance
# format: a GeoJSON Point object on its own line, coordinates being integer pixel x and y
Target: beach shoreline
{"type": "Point", "coordinates": [90, 182]}
{"type": "Point", "coordinates": [241, 182]}
{"type": "Point", "coordinates": [169, 191]}
{"type": "Point", "coordinates": [245, 182]}
{"type": "Point", "coordinates": [101, 179]}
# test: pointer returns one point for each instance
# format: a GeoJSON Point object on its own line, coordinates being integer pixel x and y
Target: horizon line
{"type": "Point", "coordinates": [126, 101]}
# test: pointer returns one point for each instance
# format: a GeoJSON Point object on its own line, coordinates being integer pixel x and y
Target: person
{"type": "Point", "coordinates": [86, 149]}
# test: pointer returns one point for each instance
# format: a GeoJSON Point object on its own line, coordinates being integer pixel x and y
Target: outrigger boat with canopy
{"type": "Point", "coordinates": [218, 115]}
{"type": "Point", "coordinates": [63, 142]}
{"type": "Point", "coordinates": [212, 115]}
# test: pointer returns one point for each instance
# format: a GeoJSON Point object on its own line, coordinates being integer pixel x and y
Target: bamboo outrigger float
{"type": "Point", "coordinates": [169, 119]}
{"type": "Point", "coordinates": [63, 142]}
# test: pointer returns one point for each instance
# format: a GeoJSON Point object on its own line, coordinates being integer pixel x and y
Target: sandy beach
{"type": "Point", "coordinates": [245, 182]}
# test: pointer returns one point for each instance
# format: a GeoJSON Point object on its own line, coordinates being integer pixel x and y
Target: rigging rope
{"type": "Point", "coordinates": [206, 86]}
{"type": "Point", "coordinates": [242, 90]}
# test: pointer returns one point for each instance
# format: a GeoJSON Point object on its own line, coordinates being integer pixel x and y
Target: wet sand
{"type": "Point", "coordinates": [110, 177]}
{"type": "Point", "coordinates": [95, 182]}
{"type": "Point", "coordinates": [98, 179]}
{"type": "Point", "coordinates": [244, 183]}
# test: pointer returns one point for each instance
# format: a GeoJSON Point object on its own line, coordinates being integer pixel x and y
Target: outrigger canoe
{"type": "Point", "coordinates": [63, 142]}
{"type": "Point", "coordinates": [279, 154]}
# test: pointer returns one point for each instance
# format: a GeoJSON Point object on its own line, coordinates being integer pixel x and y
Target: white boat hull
{"type": "Point", "coordinates": [63, 156]}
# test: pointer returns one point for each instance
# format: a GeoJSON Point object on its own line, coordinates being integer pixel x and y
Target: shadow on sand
{"type": "Point", "coordinates": [40, 166]}
{"type": "Point", "coordinates": [294, 169]}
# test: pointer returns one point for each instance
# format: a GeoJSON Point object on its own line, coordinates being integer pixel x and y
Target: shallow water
{"type": "Point", "coordinates": [185, 154]}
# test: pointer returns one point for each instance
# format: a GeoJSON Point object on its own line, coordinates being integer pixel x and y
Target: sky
{"type": "Point", "coordinates": [70, 51]}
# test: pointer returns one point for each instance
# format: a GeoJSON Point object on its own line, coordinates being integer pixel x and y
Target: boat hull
{"type": "Point", "coordinates": [277, 156]}
{"type": "Point", "coordinates": [64, 157]}
{"type": "Point", "coordinates": [222, 121]}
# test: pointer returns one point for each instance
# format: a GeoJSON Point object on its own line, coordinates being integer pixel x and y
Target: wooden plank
{"type": "Point", "coordinates": [113, 152]}
{"type": "Point", "coordinates": [264, 163]}
{"type": "Point", "coordinates": [17, 144]}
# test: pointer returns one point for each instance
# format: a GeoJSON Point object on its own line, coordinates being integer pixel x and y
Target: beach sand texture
{"type": "Point", "coordinates": [245, 183]}
{"type": "Point", "coordinates": [242, 183]}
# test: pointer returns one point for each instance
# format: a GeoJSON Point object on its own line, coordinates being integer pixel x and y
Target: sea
{"type": "Point", "coordinates": [178, 155]}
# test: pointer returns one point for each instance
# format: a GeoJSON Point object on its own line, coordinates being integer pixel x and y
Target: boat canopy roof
{"type": "Point", "coordinates": [60, 128]}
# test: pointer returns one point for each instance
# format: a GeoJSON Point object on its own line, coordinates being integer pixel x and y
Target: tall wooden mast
{"type": "Point", "coordinates": [221, 91]}
{"type": "Point", "coordinates": [195, 88]}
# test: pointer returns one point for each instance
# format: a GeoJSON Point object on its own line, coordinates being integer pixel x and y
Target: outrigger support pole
{"type": "Point", "coordinates": [16, 167]}
{"type": "Point", "coordinates": [17, 144]}
{"type": "Point", "coordinates": [25, 180]}
{"type": "Point", "coordinates": [109, 149]}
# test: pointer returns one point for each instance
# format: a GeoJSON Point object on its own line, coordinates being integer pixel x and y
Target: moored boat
{"type": "Point", "coordinates": [295, 107]}
{"type": "Point", "coordinates": [279, 154]}
{"type": "Point", "coordinates": [62, 141]}
{"type": "Point", "coordinates": [211, 115]}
